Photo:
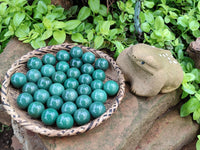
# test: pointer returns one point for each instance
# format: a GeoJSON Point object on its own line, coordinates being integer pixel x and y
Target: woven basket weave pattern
{"type": "Point", "coordinates": [9, 94]}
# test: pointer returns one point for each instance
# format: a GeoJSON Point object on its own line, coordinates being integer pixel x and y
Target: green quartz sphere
{"type": "Point", "coordinates": [85, 79]}
{"type": "Point", "coordinates": [76, 62]}
{"type": "Point", "coordinates": [101, 63]}
{"type": "Point", "coordinates": [34, 63]}
{"type": "Point", "coordinates": [30, 88]}
{"type": "Point", "coordinates": [47, 70]}
{"type": "Point", "coordinates": [69, 95]}
{"type": "Point", "coordinates": [55, 102]}
{"type": "Point", "coordinates": [83, 101]}
{"type": "Point", "coordinates": [24, 99]}
{"type": "Point", "coordinates": [84, 89]}
{"type": "Point", "coordinates": [111, 87]}
{"type": "Point", "coordinates": [56, 89]}
{"type": "Point", "coordinates": [96, 109]}
{"type": "Point", "coordinates": [96, 84]}
{"type": "Point", "coordinates": [62, 55]}
{"type": "Point", "coordinates": [62, 66]}
{"type": "Point", "coordinates": [87, 68]}
{"type": "Point", "coordinates": [49, 116]}
{"type": "Point", "coordinates": [33, 75]}
{"type": "Point", "coordinates": [76, 52]}
{"type": "Point", "coordinates": [71, 83]}
{"type": "Point", "coordinates": [68, 107]}
{"type": "Point", "coordinates": [18, 80]}
{"type": "Point", "coordinates": [44, 83]}
{"type": "Point", "coordinates": [99, 95]}
{"type": "Point", "coordinates": [35, 109]}
{"type": "Point", "coordinates": [88, 57]}
{"type": "Point", "coordinates": [41, 95]}
{"type": "Point", "coordinates": [99, 75]}
{"type": "Point", "coordinates": [58, 77]}
{"type": "Point", "coordinates": [49, 59]}
{"type": "Point", "coordinates": [73, 73]}
{"type": "Point", "coordinates": [64, 121]}
{"type": "Point", "coordinates": [81, 116]}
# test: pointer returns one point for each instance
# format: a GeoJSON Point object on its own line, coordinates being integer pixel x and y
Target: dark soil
{"type": "Point", "coordinates": [6, 133]}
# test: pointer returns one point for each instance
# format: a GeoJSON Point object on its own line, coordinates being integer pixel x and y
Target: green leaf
{"type": "Point", "coordinates": [196, 73]}
{"type": "Point", "coordinates": [81, 27]}
{"type": "Point", "coordinates": [53, 42]}
{"type": "Point", "coordinates": [47, 23]}
{"type": "Point", "coordinates": [119, 47]}
{"type": "Point", "coordinates": [38, 43]}
{"type": "Point", "coordinates": [194, 25]}
{"type": "Point", "coordinates": [3, 7]}
{"type": "Point", "coordinates": [198, 6]}
{"type": "Point", "coordinates": [145, 27]}
{"type": "Point", "coordinates": [47, 34]}
{"type": "Point", "coordinates": [198, 145]}
{"type": "Point", "coordinates": [105, 27]}
{"type": "Point", "coordinates": [183, 21]}
{"type": "Point", "coordinates": [149, 17]}
{"type": "Point", "coordinates": [103, 10]}
{"type": "Point", "coordinates": [22, 31]}
{"type": "Point", "coordinates": [148, 4]}
{"type": "Point", "coordinates": [121, 5]}
{"type": "Point", "coordinates": [18, 18]}
{"type": "Point", "coordinates": [71, 24]}
{"type": "Point", "coordinates": [196, 33]}
{"type": "Point", "coordinates": [188, 77]}
{"type": "Point", "coordinates": [189, 88]}
{"type": "Point", "coordinates": [84, 13]}
{"type": "Point", "coordinates": [58, 24]}
{"type": "Point", "coordinates": [59, 36]}
{"type": "Point", "coordinates": [159, 23]}
{"type": "Point", "coordinates": [77, 37]}
{"type": "Point", "coordinates": [90, 35]}
{"type": "Point", "coordinates": [189, 107]}
{"type": "Point", "coordinates": [41, 7]}
{"type": "Point", "coordinates": [98, 41]}
{"type": "Point", "coordinates": [173, 15]}
{"type": "Point", "coordinates": [94, 5]}
{"type": "Point", "coordinates": [47, 2]}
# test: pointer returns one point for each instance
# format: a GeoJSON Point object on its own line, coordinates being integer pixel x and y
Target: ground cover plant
{"type": "Point", "coordinates": [167, 24]}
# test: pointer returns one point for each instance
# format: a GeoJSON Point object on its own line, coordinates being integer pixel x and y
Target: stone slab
{"type": "Point", "coordinates": [169, 132]}
{"type": "Point", "coordinates": [13, 51]}
{"type": "Point", "coordinates": [124, 129]}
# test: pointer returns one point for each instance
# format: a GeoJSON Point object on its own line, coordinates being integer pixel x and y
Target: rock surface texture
{"type": "Point", "coordinates": [150, 70]}
{"type": "Point", "coordinates": [194, 52]}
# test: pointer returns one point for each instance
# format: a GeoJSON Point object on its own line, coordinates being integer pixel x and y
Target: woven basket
{"type": "Point", "coordinates": [9, 94]}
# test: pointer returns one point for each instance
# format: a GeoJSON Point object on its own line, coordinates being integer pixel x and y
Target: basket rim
{"type": "Point", "coordinates": [44, 130]}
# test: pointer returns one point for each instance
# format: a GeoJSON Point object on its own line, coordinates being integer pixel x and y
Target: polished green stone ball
{"type": "Point", "coordinates": [84, 89]}
{"type": "Point", "coordinates": [101, 63]}
{"type": "Point", "coordinates": [76, 62]}
{"type": "Point", "coordinates": [55, 102]}
{"type": "Point", "coordinates": [64, 121]}
{"type": "Point", "coordinates": [56, 89]}
{"type": "Point", "coordinates": [87, 69]}
{"type": "Point", "coordinates": [62, 66]}
{"type": "Point", "coordinates": [58, 77]}
{"type": "Point", "coordinates": [88, 57]}
{"type": "Point", "coordinates": [30, 88]}
{"type": "Point", "coordinates": [33, 75]}
{"type": "Point", "coordinates": [83, 101]}
{"type": "Point", "coordinates": [111, 87]}
{"type": "Point", "coordinates": [85, 79]}
{"type": "Point", "coordinates": [96, 109]}
{"type": "Point", "coordinates": [49, 116]}
{"type": "Point", "coordinates": [18, 80]}
{"type": "Point", "coordinates": [96, 84]}
{"type": "Point", "coordinates": [99, 75]}
{"type": "Point", "coordinates": [99, 95]}
{"type": "Point", "coordinates": [24, 99]}
{"type": "Point", "coordinates": [34, 63]}
{"type": "Point", "coordinates": [68, 107]}
{"type": "Point", "coordinates": [62, 55]}
{"type": "Point", "coordinates": [35, 109]}
{"type": "Point", "coordinates": [44, 83]}
{"type": "Point", "coordinates": [73, 73]}
{"type": "Point", "coordinates": [76, 52]}
{"type": "Point", "coordinates": [69, 95]}
{"type": "Point", "coordinates": [47, 70]}
{"type": "Point", "coordinates": [81, 116]}
{"type": "Point", "coordinates": [71, 83]}
{"type": "Point", "coordinates": [41, 95]}
{"type": "Point", "coordinates": [49, 59]}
